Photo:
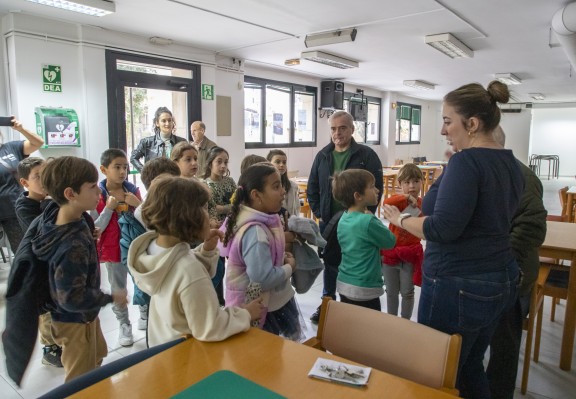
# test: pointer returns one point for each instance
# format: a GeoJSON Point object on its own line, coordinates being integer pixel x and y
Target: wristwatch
{"type": "Point", "coordinates": [402, 217]}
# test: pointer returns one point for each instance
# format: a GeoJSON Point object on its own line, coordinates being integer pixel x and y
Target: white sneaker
{"type": "Point", "coordinates": [125, 337]}
{"type": "Point", "coordinates": [142, 324]}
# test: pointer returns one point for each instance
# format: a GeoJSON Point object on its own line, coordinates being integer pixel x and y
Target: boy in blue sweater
{"type": "Point", "coordinates": [66, 243]}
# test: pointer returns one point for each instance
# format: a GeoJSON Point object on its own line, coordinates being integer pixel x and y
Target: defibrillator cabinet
{"type": "Point", "coordinates": [58, 126]}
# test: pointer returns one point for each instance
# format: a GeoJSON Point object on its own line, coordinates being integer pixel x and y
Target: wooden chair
{"type": "Point", "coordinates": [389, 343]}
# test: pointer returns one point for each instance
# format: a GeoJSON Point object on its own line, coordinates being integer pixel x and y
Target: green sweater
{"type": "Point", "coordinates": [361, 236]}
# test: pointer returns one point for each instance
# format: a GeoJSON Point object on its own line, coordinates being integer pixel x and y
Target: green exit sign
{"type": "Point", "coordinates": [207, 92]}
{"type": "Point", "coordinates": [52, 78]}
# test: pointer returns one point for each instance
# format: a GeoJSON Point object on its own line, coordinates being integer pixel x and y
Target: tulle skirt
{"type": "Point", "coordinates": [286, 322]}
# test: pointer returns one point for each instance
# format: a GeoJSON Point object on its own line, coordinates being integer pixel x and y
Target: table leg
{"type": "Point", "coordinates": [569, 321]}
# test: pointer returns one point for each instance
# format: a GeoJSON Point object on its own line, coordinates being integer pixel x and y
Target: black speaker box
{"type": "Point", "coordinates": [332, 96]}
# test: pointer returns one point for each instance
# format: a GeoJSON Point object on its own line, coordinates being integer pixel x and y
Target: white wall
{"type": "Point", "coordinates": [553, 131]}
{"type": "Point", "coordinates": [517, 130]}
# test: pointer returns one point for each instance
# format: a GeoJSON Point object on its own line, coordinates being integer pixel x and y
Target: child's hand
{"type": "Point", "coordinates": [111, 202]}
{"type": "Point", "coordinates": [96, 233]}
{"type": "Point", "coordinates": [255, 308]}
{"type": "Point", "coordinates": [412, 200]}
{"type": "Point", "coordinates": [215, 224]}
{"type": "Point", "coordinates": [211, 239]}
{"type": "Point", "coordinates": [120, 297]}
{"type": "Point", "coordinates": [290, 260]}
{"type": "Point", "coordinates": [132, 200]}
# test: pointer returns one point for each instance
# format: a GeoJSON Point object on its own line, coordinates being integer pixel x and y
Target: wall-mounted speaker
{"type": "Point", "coordinates": [332, 95]}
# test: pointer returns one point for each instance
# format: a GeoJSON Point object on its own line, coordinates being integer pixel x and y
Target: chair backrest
{"type": "Point", "coordinates": [390, 343]}
{"type": "Point", "coordinates": [563, 198]}
{"type": "Point", "coordinates": [106, 371]}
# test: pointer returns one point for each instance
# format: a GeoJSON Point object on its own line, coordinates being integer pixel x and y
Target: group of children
{"type": "Point", "coordinates": [189, 226]}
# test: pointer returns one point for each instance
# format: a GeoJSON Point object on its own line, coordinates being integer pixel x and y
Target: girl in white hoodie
{"type": "Point", "coordinates": [177, 278]}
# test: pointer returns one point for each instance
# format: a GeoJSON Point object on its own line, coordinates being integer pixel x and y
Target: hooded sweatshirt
{"type": "Point", "coordinates": [183, 298]}
{"type": "Point", "coordinates": [74, 275]}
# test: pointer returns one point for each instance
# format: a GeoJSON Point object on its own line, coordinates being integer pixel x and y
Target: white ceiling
{"type": "Point", "coordinates": [506, 36]}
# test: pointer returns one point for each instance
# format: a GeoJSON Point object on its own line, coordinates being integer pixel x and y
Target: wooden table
{"type": "Point", "coordinates": [570, 203]}
{"type": "Point", "coordinates": [560, 243]}
{"type": "Point", "coordinates": [268, 360]}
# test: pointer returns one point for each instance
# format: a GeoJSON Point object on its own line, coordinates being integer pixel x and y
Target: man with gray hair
{"type": "Point", "coordinates": [342, 153]}
{"type": "Point", "coordinates": [527, 234]}
{"type": "Point", "coordinates": [202, 143]}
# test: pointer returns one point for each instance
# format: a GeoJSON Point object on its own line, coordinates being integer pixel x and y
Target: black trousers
{"type": "Point", "coordinates": [505, 350]}
{"type": "Point", "coordinates": [370, 304]}
{"type": "Point", "coordinates": [13, 231]}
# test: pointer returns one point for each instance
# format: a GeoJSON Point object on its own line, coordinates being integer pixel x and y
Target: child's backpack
{"type": "Point", "coordinates": [130, 228]}
{"type": "Point", "coordinates": [27, 297]}
{"type": "Point", "coordinates": [332, 253]}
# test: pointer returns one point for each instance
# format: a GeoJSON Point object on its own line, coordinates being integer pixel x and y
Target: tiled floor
{"type": "Point", "coordinates": [546, 378]}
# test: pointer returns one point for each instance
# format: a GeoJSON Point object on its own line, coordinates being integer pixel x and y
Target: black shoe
{"type": "Point", "coordinates": [315, 318]}
{"type": "Point", "coordinates": [52, 356]}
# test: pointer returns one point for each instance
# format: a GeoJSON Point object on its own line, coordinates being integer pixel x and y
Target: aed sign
{"type": "Point", "coordinates": [52, 78]}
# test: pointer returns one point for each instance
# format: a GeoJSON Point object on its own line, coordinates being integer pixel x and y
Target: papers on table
{"type": "Point", "coordinates": [332, 370]}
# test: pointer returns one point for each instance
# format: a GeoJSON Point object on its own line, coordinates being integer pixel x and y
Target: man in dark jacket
{"type": "Point", "coordinates": [526, 236]}
{"type": "Point", "coordinates": [342, 153]}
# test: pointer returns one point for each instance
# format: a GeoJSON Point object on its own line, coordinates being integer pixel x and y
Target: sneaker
{"type": "Point", "coordinates": [52, 356]}
{"type": "Point", "coordinates": [125, 338]}
{"type": "Point", "coordinates": [315, 318]}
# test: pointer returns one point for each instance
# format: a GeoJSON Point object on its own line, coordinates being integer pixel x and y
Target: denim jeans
{"type": "Point", "coordinates": [505, 349]}
{"type": "Point", "coordinates": [470, 306]}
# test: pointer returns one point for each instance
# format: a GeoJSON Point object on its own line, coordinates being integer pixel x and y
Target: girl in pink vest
{"type": "Point", "coordinates": [254, 244]}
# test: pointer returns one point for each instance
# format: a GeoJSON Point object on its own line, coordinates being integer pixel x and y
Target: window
{"type": "Point", "coordinates": [278, 114]}
{"type": "Point", "coordinates": [408, 123]}
{"type": "Point", "coordinates": [367, 127]}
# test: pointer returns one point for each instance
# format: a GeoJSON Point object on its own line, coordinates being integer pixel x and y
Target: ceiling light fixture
{"type": "Point", "coordinates": [333, 37]}
{"type": "Point", "coordinates": [96, 8]}
{"type": "Point", "coordinates": [292, 62]}
{"type": "Point", "coordinates": [329, 59]}
{"type": "Point", "coordinates": [448, 44]}
{"type": "Point", "coordinates": [508, 78]}
{"type": "Point", "coordinates": [537, 96]}
{"type": "Point", "coordinates": [419, 84]}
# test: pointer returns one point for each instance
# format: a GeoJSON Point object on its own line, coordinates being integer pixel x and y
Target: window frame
{"type": "Point", "coordinates": [413, 107]}
{"type": "Point", "coordinates": [294, 88]}
{"type": "Point", "coordinates": [369, 100]}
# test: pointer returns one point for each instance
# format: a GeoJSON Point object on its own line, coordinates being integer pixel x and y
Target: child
{"type": "Point", "coordinates": [129, 227]}
{"type": "Point", "coordinates": [250, 160]}
{"type": "Point", "coordinates": [176, 277]}
{"type": "Point", "coordinates": [29, 205]}
{"type": "Point", "coordinates": [222, 186]}
{"type": "Point", "coordinates": [254, 243]}
{"type": "Point", "coordinates": [292, 201]}
{"type": "Point", "coordinates": [66, 243]}
{"type": "Point", "coordinates": [118, 195]}
{"type": "Point", "coordinates": [402, 265]}
{"type": "Point", "coordinates": [360, 235]}
{"type": "Point", "coordinates": [186, 156]}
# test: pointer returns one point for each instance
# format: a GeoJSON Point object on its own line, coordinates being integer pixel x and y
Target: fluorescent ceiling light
{"type": "Point", "coordinates": [448, 44]}
{"type": "Point", "coordinates": [333, 37]}
{"type": "Point", "coordinates": [329, 59]}
{"type": "Point", "coordinates": [419, 84]}
{"type": "Point", "coordinates": [537, 96]}
{"type": "Point", "coordinates": [97, 8]}
{"type": "Point", "coordinates": [508, 78]}
{"type": "Point", "coordinates": [292, 62]}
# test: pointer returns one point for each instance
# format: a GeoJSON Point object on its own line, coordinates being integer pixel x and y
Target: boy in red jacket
{"type": "Point", "coordinates": [402, 265]}
{"type": "Point", "coordinates": [118, 195]}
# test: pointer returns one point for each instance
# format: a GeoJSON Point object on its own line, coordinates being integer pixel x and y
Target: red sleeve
{"type": "Point", "coordinates": [398, 200]}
